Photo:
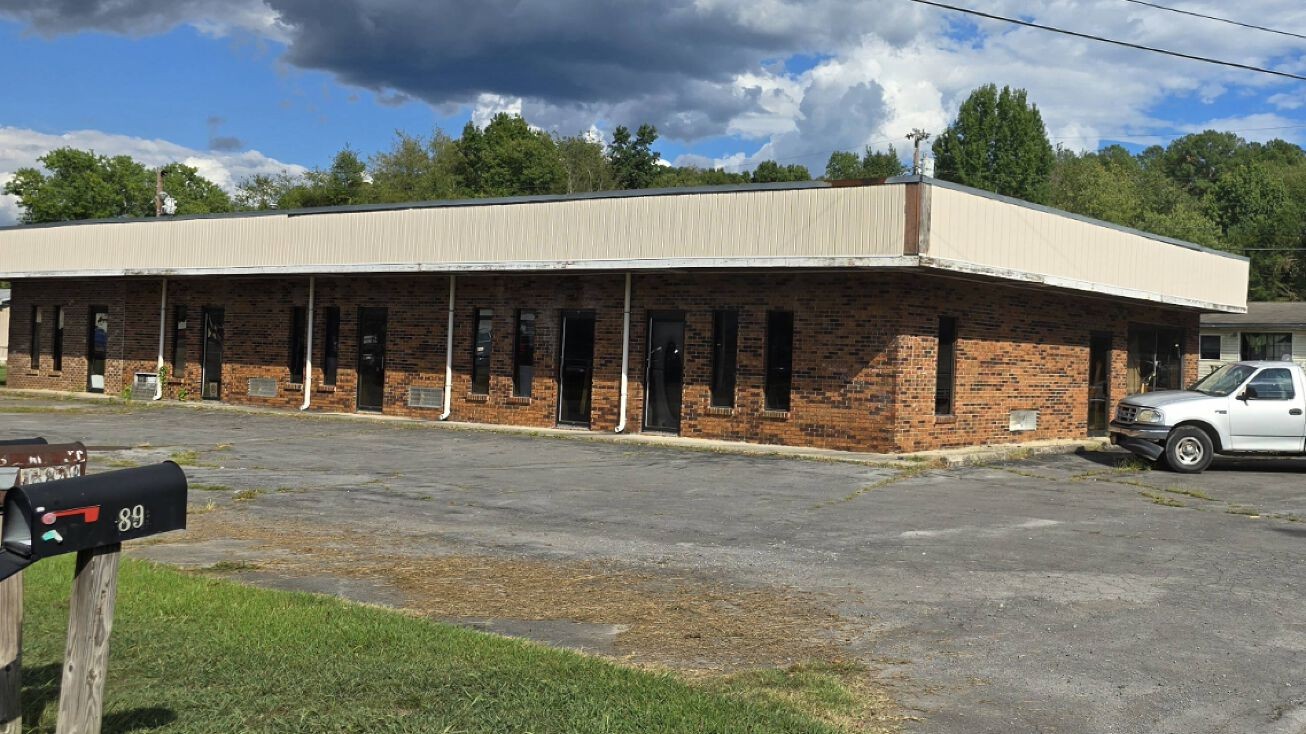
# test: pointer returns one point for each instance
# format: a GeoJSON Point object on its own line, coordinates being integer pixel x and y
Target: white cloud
{"type": "Point", "coordinates": [1258, 128]}
{"type": "Point", "coordinates": [20, 148]}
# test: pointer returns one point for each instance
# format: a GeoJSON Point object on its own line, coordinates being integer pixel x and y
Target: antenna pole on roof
{"type": "Point", "coordinates": [917, 136]}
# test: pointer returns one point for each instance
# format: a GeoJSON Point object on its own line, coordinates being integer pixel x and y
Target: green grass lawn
{"type": "Point", "coordinates": [191, 653]}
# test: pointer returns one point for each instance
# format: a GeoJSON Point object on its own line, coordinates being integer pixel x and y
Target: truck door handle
{"type": "Point", "coordinates": [1295, 411]}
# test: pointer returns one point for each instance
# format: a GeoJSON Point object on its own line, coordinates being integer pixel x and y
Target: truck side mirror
{"type": "Point", "coordinates": [53, 518]}
{"type": "Point", "coordinates": [1249, 393]}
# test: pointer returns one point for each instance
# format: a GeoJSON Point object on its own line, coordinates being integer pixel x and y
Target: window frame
{"type": "Point", "coordinates": [330, 345]}
{"type": "Point", "coordinates": [779, 363]}
{"type": "Point", "coordinates": [524, 388]}
{"type": "Point", "coordinates": [945, 367]}
{"type": "Point", "coordinates": [1279, 335]}
{"type": "Point", "coordinates": [1203, 340]}
{"type": "Point", "coordinates": [725, 358]}
{"type": "Point", "coordinates": [481, 365]}
{"type": "Point", "coordinates": [298, 343]}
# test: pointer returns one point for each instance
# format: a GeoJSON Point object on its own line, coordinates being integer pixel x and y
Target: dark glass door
{"type": "Point", "coordinates": [215, 331]}
{"type": "Point", "coordinates": [1099, 384]}
{"type": "Point", "coordinates": [1155, 359]}
{"type": "Point", "coordinates": [576, 368]}
{"type": "Point", "coordinates": [97, 348]}
{"type": "Point", "coordinates": [665, 376]}
{"type": "Point", "coordinates": [371, 358]}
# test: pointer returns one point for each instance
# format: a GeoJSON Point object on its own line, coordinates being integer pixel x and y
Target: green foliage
{"type": "Point", "coordinates": [263, 191]}
{"type": "Point", "coordinates": [634, 162]}
{"type": "Point", "coordinates": [586, 165]}
{"type": "Point", "coordinates": [997, 143]}
{"type": "Point", "coordinates": [341, 184]}
{"type": "Point", "coordinates": [81, 184]}
{"type": "Point", "coordinates": [772, 172]}
{"type": "Point", "coordinates": [873, 165]}
{"type": "Point", "coordinates": [684, 176]}
{"type": "Point", "coordinates": [415, 169]}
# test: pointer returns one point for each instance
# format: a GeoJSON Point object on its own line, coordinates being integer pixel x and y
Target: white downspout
{"type": "Point", "coordinates": [163, 332]}
{"type": "Point", "coordinates": [308, 350]}
{"type": "Point", "coordinates": [625, 357]}
{"type": "Point", "coordinates": [448, 355]}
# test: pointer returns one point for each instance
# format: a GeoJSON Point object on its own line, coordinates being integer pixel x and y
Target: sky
{"type": "Point", "coordinates": [237, 87]}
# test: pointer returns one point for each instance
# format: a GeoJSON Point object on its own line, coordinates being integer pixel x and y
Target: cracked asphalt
{"type": "Point", "coordinates": [1059, 594]}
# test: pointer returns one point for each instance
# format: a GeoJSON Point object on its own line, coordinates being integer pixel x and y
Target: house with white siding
{"type": "Point", "coordinates": [1274, 331]}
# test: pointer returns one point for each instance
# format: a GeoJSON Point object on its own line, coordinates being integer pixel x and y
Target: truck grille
{"type": "Point", "coordinates": [1126, 413]}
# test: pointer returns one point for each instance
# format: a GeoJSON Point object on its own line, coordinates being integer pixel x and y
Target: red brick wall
{"type": "Point", "coordinates": [864, 344]}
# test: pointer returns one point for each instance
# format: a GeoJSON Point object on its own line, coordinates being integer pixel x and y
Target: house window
{"type": "Point", "coordinates": [36, 338]}
{"type": "Point", "coordinates": [779, 359]}
{"type": "Point", "coordinates": [178, 341]}
{"type": "Point", "coordinates": [331, 345]}
{"type": "Point", "coordinates": [57, 346]}
{"type": "Point", "coordinates": [945, 373]}
{"type": "Point", "coordinates": [1210, 346]}
{"type": "Point", "coordinates": [298, 343]}
{"type": "Point", "coordinates": [1271, 347]}
{"type": "Point", "coordinates": [481, 351]}
{"type": "Point", "coordinates": [523, 355]}
{"type": "Point", "coordinates": [725, 349]}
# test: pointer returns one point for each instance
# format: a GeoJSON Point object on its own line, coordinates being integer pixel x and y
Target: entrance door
{"type": "Point", "coordinates": [97, 348]}
{"type": "Point", "coordinates": [1099, 384]}
{"type": "Point", "coordinates": [665, 376]}
{"type": "Point", "coordinates": [576, 368]}
{"type": "Point", "coordinates": [371, 358]}
{"type": "Point", "coordinates": [1155, 359]}
{"type": "Point", "coordinates": [211, 363]}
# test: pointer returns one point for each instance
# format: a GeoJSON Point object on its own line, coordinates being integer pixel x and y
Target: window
{"type": "Point", "coordinates": [1272, 384]}
{"type": "Point", "coordinates": [779, 359]}
{"type": "Point", "coordinates": [945, 373]}
{"type": "Point", "coordinates": [178, 341]}
{"type": "Point", "coordinates": [57, 346]}
{"type": "Point", "coordinates": [523, 355]}
{"type": "Point", "coordinates": [36, 338]}
{"type": "Point", "coordinates": [725, 349]}
{"type": "Point", "coordinates": [1210, 346]}
{"type": "Point", "coordinates": [331, 345]}
{"type": "Point", "coordinates": [1155, 359]}
{"type": "Point", "coordinates": [298, 343]}
{"type": "Point", "coordinates": [481, 351]}
{"type": "Point", "coordinates": [1273, 347]}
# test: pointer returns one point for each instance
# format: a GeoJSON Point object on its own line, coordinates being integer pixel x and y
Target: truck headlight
{"type": "Point", "coordinates": [1149, 415]}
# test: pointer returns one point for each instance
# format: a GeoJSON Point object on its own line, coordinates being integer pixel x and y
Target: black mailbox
{"type": "Point", "coordinates": [52, 518]}
{"type": "Point", "coordinates": [23, 441]}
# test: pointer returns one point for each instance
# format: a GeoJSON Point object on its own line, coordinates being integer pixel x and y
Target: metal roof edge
{"type": "Point", "coordinates": [1063, 213]}
{"type": "Point", "coordinates": [447, 203]}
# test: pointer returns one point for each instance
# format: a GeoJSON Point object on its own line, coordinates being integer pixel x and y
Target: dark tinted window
{"type": "Point", "coordinates": [523, 355]}
{"type": "Point", "coordinates": [725, 350]}
{"type": "Point", "coordinates": [331, 345]}
{"type": "Point", "coordinates": [779, 359]}
{"type": "Point", "coordinates": [58, 339]}
{"type": "Point", "coordinates": [481, 347]}
{"type": "Point", "coordinates": [298, 342]}
{"type": "Point", "coordinates": [36, 338]}
{"type": "Point", "coordinates": [178, 340]}
{"type": "Point", "coordinates": [1267, 346]}
{"type": "Point", "coordinates": [945, 379]}
{"type": "Point", "coordinates": [1210, 346]}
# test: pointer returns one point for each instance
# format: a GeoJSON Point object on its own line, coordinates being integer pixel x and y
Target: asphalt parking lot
{"type": "Point", "coordinates": [1058, 594]}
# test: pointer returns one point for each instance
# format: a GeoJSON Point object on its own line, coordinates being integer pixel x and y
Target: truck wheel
{"type": "Point", "coordinates": [1189, 450]}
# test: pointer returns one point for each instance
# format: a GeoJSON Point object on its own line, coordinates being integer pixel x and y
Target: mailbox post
{"type": "Point", "coordinates": [91, 516]}
{"type": "Point", "coordinates": [24, 461]}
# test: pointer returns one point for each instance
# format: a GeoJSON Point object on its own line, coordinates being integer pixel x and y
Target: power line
{"type": "Point", "coordinates": [1219, 19]}
{"type": "Point", "coordinates": [1103, 39]}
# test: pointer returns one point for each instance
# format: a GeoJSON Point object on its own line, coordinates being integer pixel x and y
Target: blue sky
{"type": "Point", "coordinates": [243, 86]}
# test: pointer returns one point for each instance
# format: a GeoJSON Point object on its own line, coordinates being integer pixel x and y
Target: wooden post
{"type": "Point", "coordinates": [11, 655]}
{"type": "Point", "coordinates": [86, 659]}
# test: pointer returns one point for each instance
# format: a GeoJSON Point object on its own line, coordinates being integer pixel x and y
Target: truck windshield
{"type": "Point", "coordinates": [1222, 382]}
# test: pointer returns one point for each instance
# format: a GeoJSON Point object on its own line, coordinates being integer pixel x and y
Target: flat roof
{"type": "Point", "coordinates": [907, 222]}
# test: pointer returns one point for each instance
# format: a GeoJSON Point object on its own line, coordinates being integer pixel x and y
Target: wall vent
{"type": "Point", "coordinates": [1023, 421]}
{"type": "Point", "coordinates": [425, 397]}
{"type": "Point", "coordinates": [144, 385]}
{"type": "Point", "coordinates": [262, 387]}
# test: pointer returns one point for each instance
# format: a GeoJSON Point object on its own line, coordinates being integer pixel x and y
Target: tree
{"type": "Point", "coordinates": [508, 158]}
{"type": "Point", "coordinates": [634, 162]}
{"type": "Point", "coordinates": [416, 169]}
{"type": "Point", "coordinates": [586, 165]}
{"type": "Point", "coordinates": [1245, 195]}
{"type": "Point", "coordinates": [997, 143]}
{"type": "Point", "coordinates": [873, 165]}
{"type": "Point", "coordinates": [1196, 162]}
{"type": "Point", "coordinates": [81, 184]}
{"type": "Point", "coordinates": [264, 191]}
{"type": "Point", "coordinates": [772, 172]}
{"type": "Point", "coordinates": [341, 184]}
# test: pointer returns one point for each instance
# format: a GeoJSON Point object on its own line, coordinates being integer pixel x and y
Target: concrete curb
{"type": "Point", "coordinates": [969, 456]}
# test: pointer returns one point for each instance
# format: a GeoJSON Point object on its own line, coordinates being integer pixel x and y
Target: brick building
{"type": "Point", "coordinates": [901, 316]}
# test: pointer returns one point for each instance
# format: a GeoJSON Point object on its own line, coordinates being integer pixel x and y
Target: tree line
{"type": "Point", "coordinates": [1212, 188]}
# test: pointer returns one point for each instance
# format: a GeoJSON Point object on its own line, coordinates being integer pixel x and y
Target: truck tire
{"type": "Point", "coordinates": [1189, 450]}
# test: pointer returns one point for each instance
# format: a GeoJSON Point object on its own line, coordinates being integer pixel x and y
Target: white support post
{"type": "Point", "coordinates": [308, 346]}
{"type": "Point", "coordinates": [163, 333]}
{"type": "Point", "coordinates": [625, 358]}
{"type": "Point", "coordinates": [448, 354]}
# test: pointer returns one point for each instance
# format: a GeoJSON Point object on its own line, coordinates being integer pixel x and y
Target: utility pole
{"type": "Point", "coordinates": [158, 192]}
{"type": "Point", "coordinates": [917, 137]}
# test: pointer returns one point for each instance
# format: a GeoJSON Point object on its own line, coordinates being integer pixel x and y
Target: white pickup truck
{"type": "Point", "coordinates": [1255, 408]}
